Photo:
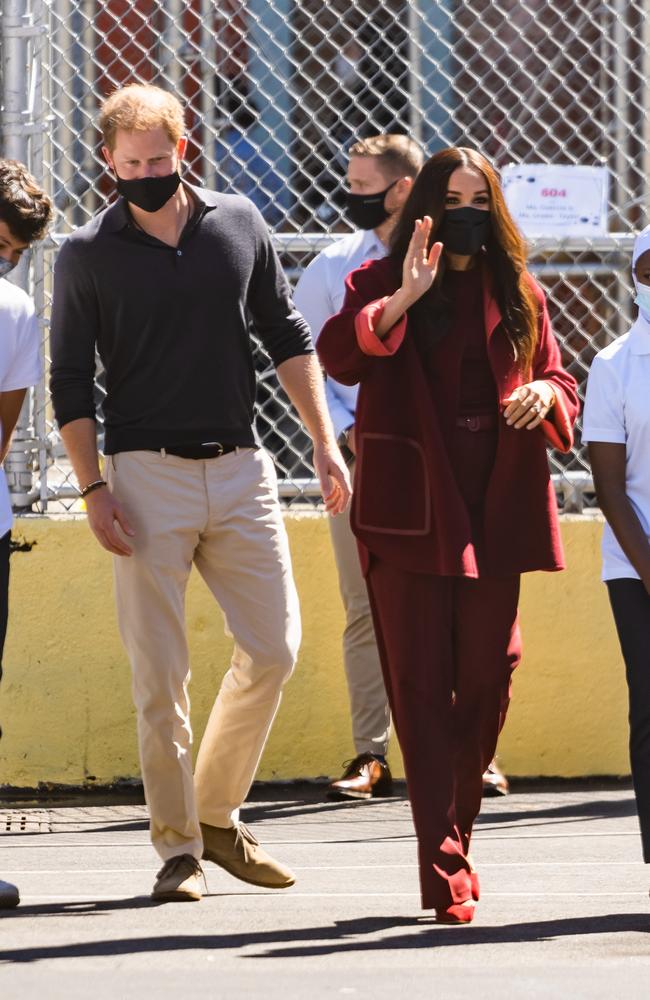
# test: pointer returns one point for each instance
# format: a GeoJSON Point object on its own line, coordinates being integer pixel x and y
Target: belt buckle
{"type": "Point", "coordinates": [213, 444]}
{"type": "Point", "coordinates": [473, 423]}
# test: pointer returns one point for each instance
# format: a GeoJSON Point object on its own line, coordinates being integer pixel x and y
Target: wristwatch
{"type": "Point", "coordinates": [344, 437]}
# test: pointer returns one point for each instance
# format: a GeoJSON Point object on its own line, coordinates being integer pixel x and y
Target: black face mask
{"type": "Point", "coordinates": [149, 193]}
{"type": "Point", "coordinates": [464, 230]}
{"type": "Point", "coordinates": [366, 211]}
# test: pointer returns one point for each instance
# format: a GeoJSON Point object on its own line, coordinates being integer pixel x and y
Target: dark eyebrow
{"type": "Point", "coordinates": [15, 249]}
{"type": "Point", "coordinates": [482, 191]}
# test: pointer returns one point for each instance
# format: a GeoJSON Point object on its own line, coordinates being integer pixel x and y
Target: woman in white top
{"type": "Point", "coordinates": [617, 427]}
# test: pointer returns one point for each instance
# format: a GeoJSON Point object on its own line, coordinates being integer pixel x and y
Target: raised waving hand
{"type": "Point", "coordinates": [420, 266]}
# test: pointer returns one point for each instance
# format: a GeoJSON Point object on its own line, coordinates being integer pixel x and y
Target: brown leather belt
{"type": "Point", "coordinates": [478, 422]}
{"type": "Point", "coordinates": [213, 449]}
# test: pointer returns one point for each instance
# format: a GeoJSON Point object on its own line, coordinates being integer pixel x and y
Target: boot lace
{"type": "Point", "coordinates": [354, 765]}
{"type": "Point", "coordinates": [183, 861]}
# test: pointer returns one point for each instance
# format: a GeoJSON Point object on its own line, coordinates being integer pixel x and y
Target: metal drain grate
{"type": "Point", "coordinates": [16, 821]}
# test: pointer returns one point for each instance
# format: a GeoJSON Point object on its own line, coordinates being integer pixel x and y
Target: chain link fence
{"type": "Point", "coordinates": [276, 91]}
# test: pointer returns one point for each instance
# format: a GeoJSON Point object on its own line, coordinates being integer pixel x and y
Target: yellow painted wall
{"type": "Point", "coordinates": [65, 700]}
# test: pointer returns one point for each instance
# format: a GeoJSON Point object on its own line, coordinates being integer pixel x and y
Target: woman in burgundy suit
{"type": "Point", "coordinates": [462, 388]}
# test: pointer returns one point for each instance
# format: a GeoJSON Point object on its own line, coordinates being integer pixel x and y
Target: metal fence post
{"type": "Point", "coordinates": [18, 28]}
{"type": "Point", "coordinates": [39, 395]}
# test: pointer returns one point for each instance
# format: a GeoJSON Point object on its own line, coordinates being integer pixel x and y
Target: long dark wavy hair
{"type": "Point", "coordinates": [505, 251]}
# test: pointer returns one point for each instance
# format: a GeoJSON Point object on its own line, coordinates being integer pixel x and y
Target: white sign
{"type": "Point", "coordinates": [557, 200]}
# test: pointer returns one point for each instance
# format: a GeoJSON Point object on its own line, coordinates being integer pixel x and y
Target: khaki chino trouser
{"type": "Point", "coordinates": [367, 693]}
{"type": "Point", "coordinates": [221, 514]}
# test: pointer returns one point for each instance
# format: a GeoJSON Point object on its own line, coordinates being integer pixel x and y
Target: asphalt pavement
{"type": "Point", "coordinates": [564, 910]}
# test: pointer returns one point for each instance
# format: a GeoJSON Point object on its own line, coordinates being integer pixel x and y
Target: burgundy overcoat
{"type": "Point", "coordinates": [406, 507]}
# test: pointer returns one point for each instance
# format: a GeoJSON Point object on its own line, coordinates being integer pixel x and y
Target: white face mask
{"type": "Point", "coordinates": [643, 299]}
{"type": "Point", "coordinates": [5, 267]}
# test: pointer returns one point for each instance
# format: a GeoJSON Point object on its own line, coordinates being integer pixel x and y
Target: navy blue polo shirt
{"type": "Point", "coordinates": [172, 325]}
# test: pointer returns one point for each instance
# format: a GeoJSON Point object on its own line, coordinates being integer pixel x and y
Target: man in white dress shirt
{"type": "Point", "coordinates": [380, 175]}
{"type": "Point", "coordinates": [25, 212]}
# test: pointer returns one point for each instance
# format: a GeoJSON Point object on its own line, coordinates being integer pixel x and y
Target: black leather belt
{"type": "Point", "coordinates": [478, 422]}
{"type": "Point", "coordinates": [212, 449]}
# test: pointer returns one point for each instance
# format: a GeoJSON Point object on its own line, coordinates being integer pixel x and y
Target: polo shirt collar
{"type": "Point", "coordinates": [640, 336]}
{"type": "Point", "coordinates": [117, 217]}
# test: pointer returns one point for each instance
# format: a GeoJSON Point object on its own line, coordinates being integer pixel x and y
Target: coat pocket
{"type": "Point", "coordinates": [392, 493]}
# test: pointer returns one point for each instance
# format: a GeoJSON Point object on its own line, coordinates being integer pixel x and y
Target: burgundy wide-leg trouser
{"type": "Point", "coordinates": [448, 647]}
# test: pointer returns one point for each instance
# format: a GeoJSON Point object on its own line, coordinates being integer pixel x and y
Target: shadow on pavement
{"type": "Point", "coordinates": [572, 812]}
{"type": "Point", "coordinates": [508, 816]}
{"type": "Point", "coordinates": [431, 935]}
{"type": "Point", "coordinates": [334, 939]}
{"type": "Point", "coordinates": [113, 826]}
{"type": "Point", "coordinates": [259, 812]}
{"type": "Point", "coordinates": [82, 908]}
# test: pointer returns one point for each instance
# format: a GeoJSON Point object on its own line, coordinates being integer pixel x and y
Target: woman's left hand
{"type": "Point", "coordinates": [529, 404]}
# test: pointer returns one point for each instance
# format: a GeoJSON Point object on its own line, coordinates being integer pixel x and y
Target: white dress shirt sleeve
{"type": "Point", "coordinates": [314, 298]}
{"type": "Point", "coordinates": [604, 413]}
{"type": "Point", "coordinates": [20, 361]}
{"type": "Point", "coordinates": [341, 414]}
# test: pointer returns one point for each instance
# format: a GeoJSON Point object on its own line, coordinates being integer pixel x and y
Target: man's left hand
{"type": "Point", "coordinates": [333, 477]}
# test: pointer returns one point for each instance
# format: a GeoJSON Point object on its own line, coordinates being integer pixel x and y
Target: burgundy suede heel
{"type": "Point", "coordinates": [458, 913]}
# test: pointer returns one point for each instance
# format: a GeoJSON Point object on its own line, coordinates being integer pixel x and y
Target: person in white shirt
{"type": "Point", "coordinates": [25, 211]}
{"type": "Point", "coordinates": [617, 428]}
{"type": "Point", "coordinates": [380, 174]}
